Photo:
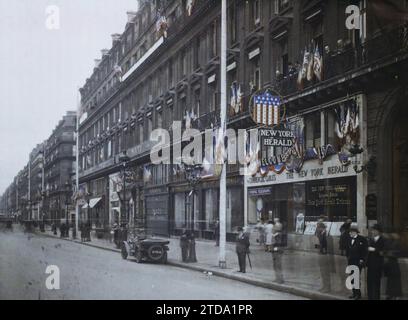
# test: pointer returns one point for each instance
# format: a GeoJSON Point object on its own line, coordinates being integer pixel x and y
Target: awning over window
{"type": "Point", "coordinates": [92, 203]}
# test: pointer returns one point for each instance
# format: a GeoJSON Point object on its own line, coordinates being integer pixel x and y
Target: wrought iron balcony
{"type": "Point", "coordinates": [381, 46]}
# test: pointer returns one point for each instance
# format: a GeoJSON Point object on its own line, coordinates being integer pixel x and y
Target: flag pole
{"type": "Point", "coordinates": [223, 113]}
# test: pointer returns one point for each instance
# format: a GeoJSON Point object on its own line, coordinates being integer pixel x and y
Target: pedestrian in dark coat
{"type": "Point", "coordinates": [356, 256]}
{"type": "Point", "coordinates": [88, 228]}
{"type": "Point", "coordinates": [375, 263]}
{"type": "Point", "coordinates": [242, 248]}
{"type": "Point", "coordinates": [192, 257]}
{"type": "Point", "coordinates": [321, 234]}
{"type": "Point", "coordinates": [392, 270]}
{"type": "Point", "coordinates": [345, 236]}
{"type": "Point", "coordinates": [217, 233]}
{"type": "Point", "coordinates": [184, 244]}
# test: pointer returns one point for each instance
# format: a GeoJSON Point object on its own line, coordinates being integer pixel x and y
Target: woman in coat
{"type": "Point", "coordinates": [192, 257]}
{"type": "Point", "coordinates": [184, 245]}
{"type": "Point", "coordinates": [269, 236]}
{"type": "Point", "coordinates": [345, 236]}
{"type": "Point", "coordinates": [391, 267]}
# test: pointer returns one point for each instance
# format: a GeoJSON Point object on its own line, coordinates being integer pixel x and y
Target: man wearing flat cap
{"type": "Point", "coordinates": [356, 256]}
{"type": "Point", "coordinates": [375, 262]}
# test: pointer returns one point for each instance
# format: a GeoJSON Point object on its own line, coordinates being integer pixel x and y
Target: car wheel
{"type": "Point", "coordinates": [124, 252]}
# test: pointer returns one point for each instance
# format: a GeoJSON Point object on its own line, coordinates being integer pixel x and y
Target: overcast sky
{"type": "Point", "coordinates": [41, 69]}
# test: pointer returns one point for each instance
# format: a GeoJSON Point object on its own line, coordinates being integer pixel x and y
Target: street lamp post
{"type": "Point", "coordinates": [193, 176]}
{"type": "Point", "coordinates": [223, 114]}
{"type": "Point", "coordinates": [67, 194]}
{"type": "Point", "coordinates": [124, 159]}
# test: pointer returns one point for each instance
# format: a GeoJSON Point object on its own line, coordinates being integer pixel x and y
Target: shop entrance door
{"type": "Point", "coordinates": [400, 179]}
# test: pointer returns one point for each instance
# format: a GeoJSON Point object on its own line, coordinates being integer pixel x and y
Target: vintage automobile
{"type": "Point", "coordinates": [144, 248]}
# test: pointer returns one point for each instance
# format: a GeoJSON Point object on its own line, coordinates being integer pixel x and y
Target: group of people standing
{"type": "Point", "coordinates": [378, 254]}
{"type": "Point", "coordinates": [86, 231]}
{"type": "Point", "coordinates": [270, 234]}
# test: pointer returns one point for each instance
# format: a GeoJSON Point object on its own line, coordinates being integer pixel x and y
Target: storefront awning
{"type": "Point", "coordinates": [92, 203]}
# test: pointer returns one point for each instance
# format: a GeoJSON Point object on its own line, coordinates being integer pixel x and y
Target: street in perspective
{"type": "Point", "coordinates": [204, 150]}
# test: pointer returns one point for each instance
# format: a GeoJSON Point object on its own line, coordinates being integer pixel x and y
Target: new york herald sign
{"type": "Point", "coordinates": [276, 137]}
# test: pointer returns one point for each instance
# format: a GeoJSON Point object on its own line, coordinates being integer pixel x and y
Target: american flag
{"type": "Point", "coordinates": [267, 109]}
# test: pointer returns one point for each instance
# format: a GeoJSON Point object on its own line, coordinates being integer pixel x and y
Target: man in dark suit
{"type": "Point", "coordinates": [356, 256]}
{"type": "Point", "coordinates": [375, 262]}
{"type": "Point", "coordinates": [242, 247]}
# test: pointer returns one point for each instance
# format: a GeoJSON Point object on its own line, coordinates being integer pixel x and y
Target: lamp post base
{"type": "Point", "coordinates": [222, 264]}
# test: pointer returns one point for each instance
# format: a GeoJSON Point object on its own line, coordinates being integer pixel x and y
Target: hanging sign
{"type": "Point", "coordinates": [267, 108]}
{"type": "Point", "coordinates": [277, 137]}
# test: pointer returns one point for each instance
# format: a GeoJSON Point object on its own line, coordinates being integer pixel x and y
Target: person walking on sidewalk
{"type": "Point", "coordinates": [184, 246]}
{"type": "Point", "coordinates": [261, 230]}
{"type": "Point", "coordinates": [356, 256]}
{"type": "Point", "coordinates": [345, 236]}
{"type": "Point", "coordinates": [392, 270]}
{"type": "Point", "coordinates": [375, 263]}
{"type": "Point", "coordinates": [277, 233]}
{"type": "Point", "coordinates": [269, 236]}
{"type": "Point", "coordinates": [192, 257]}
{"type": "Point", "coordinates": [242, 248]}
{"type": "Point", "coordinates": [217, 233]}
{"type": "Point", "coordinates": [277, 252]}
{"type": "Point", "coordinates": [321, 235]}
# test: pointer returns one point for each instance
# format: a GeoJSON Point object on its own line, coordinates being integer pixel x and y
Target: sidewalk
{"type": "Point", "coordinates": [306, 274]}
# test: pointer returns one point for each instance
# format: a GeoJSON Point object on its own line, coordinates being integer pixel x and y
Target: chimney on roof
{"type": "Point", "coordinates": [97, 62]}
{"type": "Point", "coordinates": [131, 15]}
{"type": "Point", "coordinates": [115, 37]}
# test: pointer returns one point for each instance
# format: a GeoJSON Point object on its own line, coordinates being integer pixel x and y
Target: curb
{"type": "Point", "coordinates": [313, 295]}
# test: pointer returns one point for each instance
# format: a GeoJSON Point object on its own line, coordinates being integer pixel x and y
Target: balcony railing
{"type": "Point", "coordinates": [200, 6]}
{"type": "Point", "coordinates": [350, 58]}
{"type": "Point", "coordinates": [206, 121]}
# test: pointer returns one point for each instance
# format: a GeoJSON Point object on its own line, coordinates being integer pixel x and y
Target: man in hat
{"type": "Point", "coordinates": [242, 247]}
{"type": "Point", "coordinates": [356, 256]}
{"type": "Point", "coordinates": [375, 262]}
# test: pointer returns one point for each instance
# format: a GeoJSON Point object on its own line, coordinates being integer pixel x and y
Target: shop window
{"type": "Point", "coordinates": [235, 212]}
{"type": "Point", "coordinates": [210, 208]}
{"type": "Point", "coordinates": [313, 130]}
{"type": "Point", "coordinates": [333, 198]}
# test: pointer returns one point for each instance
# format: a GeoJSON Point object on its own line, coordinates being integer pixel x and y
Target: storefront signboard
{"type": "Point", "coordinates": [311, 170]}
{"type": "Point", "coordinates": [277, 137]}
{"type": "Point", "coordinates": [310, 228]}
{"type": "Point", "coordinates": [259, 192]}
{"type": "Point", "coordinates": [335, 229]}
{"type": "Point", "coordinates": [328, 227]}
